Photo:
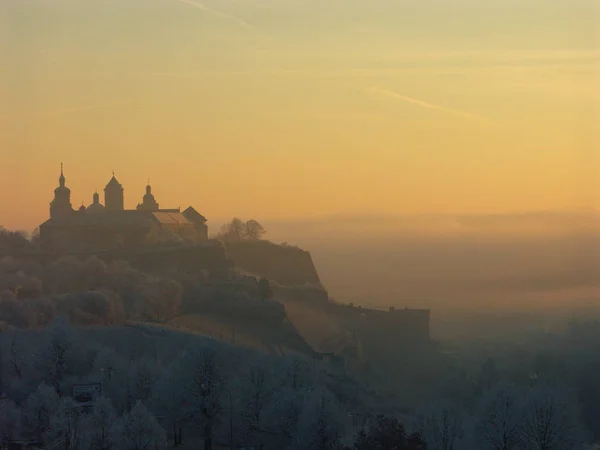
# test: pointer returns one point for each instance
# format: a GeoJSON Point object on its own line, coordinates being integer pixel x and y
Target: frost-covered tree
{"type": "Point", "coordinates": [37, 410]}
{"type": "Point", "coordinates": [282, 416]}
{"type": "Point", "coordinates": [549, 421]}
{"type": "Point", "coordinates": [60, 356]}
{"type": "Point", "coordinates": [441, 424]}
{"type": "Point", "coordinates": [99, 426]}
{"type": "Point", "coordinates": [205, 382]}
{"type": "Point", "coordinates": [139, 430]}
{"type": "Point", "coordinates": [257, 390]}
{"type": "Point", "coordinates": [10, 421]}
{"type": "Point", "coordinates": [295, 373]}
{"type": "Point", "coordinates": [320, 424]}
{"type": "Point", "coordinates": [498, 421]}
{"type": "Point", "coordinates": [112, 370]}
{"type": "Point", "coordinates": [170, 399]}
{"type": "Point", "coordinates": [143, 375]}
{"type": "Point", "coordinates": [66, 274]}
{"type": "Point", "coordinates": [65, 430]}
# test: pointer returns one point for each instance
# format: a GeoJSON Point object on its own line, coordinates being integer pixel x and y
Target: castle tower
{"type": "Point", "coordinates": [113, 195]}
{"type": "Point", "coordinates": [149, 202]}
{"type": "Point", "coordinates": [61, 204]}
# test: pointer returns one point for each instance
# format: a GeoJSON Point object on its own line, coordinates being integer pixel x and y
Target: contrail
{"type": "Point", "coordinates": [220, 14]}
{"type": "Point", "coordinates": [70, 110]}
{"type": "Point", "coordinates": [392, 94]}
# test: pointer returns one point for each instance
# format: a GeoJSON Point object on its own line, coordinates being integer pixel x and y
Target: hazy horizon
{"type": "Point", "coordinates": [426, 154]}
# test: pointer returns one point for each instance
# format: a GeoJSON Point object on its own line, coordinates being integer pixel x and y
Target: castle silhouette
{"type": "Point", "coordinates": [112, 226]}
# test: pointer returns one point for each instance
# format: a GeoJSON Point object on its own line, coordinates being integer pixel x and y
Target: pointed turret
{"type": "Point", "coordinates": [113, 195]}
{"type": "Point", "coordinates": [61, 204]}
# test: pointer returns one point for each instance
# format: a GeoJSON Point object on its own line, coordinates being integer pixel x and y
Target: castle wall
{"type": "Point", "coordinates": [305, 294]}
{"type": "Point", "coordinates": [288, 266]}
{"type": "Point", "coordinates": [393, 329]}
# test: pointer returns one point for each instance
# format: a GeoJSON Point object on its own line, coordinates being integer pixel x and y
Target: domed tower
{"type": "Point", "coordinates": [96, 206]}
{"type": "Point", "coordinates": [149, 202]}
{"type": "Point", "coordinates": [113, 195]}
{"type": "Point", "coordinates": [61, 204]}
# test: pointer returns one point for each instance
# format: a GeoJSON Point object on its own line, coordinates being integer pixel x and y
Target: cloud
{"type": "Point", "coordinates": [219, 14]}
{"type": "Point", "coordinates": [394, 95]}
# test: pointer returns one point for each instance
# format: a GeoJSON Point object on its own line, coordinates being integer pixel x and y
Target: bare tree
{"type": "Point", "coordinates": [549, 422]}
{"type": "Point", "coordinates": [253, 231]}
{"type": "Point", "coordinates": [57, 360]}
{"type": "Point", "coordinates": [320, 425]}
{"type": "Point", "coordinates": [256, 394]}
{"type": "Point", "coordinates": [282, 417]}
{"type": "Point", "coordinates": [498, 419]}
{"type": "Point", "coordinates": [440, 424]}
{"type": "Point", "coordinates": [232, 231]}
{"type": "Point", "coordinates": [16, 358]}
{"type": "Point", "coordinates": [205, 386]}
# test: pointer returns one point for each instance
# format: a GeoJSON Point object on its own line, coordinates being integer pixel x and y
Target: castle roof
{"type": "Point", "coordinates": [127, 219]}
{"type": "Point", "coordinates": [113, 183]}
{"type": "Point", "coordinates": [194, 216]}
{"type": "Point", "coordinates": [170, 218]}
{"type": "Point", "coordinates": [107, 218]}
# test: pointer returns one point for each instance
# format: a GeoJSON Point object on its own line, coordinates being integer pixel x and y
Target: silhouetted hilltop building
{"type": "Point", "coordinates": [149, 202]}
{"type": "Point", "coordinates": [197, 219]}
{"type": "Point", "coordinates": [96, 206]}
{"type": "Point", "coordinates": [111, 226]}
{"type": "Point", "coordinates": [61, 204]}
{"type": "Point", "coordinates": [113, 195]}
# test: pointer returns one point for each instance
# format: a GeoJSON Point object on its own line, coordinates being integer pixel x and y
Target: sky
{"type": "Point", "coordinates": [285, 110]}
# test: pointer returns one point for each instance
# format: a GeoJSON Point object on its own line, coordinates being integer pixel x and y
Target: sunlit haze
{"type": "Point", "coordinates": [296, 109]}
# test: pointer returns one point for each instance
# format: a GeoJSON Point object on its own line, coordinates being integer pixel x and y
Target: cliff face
{"type": "Point", "coordinates": [289, 266]}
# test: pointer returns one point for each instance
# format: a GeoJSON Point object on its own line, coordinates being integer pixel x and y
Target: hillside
{"type": "Point", "coordinates": [275, 341]}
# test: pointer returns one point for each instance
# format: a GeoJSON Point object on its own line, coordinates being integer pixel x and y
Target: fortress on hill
{"type": "Point", "coordinates": [156, 240]}
{"type": "Point", "coordinates": [111, 226]}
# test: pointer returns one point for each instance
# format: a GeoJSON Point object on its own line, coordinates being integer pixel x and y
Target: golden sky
{"type": "Point", "coordinates": [278, 109]}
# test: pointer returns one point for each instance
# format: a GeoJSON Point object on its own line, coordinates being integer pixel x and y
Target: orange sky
{"type": "Point", "coordinates": [284, 109]}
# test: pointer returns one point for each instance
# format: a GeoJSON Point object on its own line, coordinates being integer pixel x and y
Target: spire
{"type": "Point", "coordinates": [61, 179]}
